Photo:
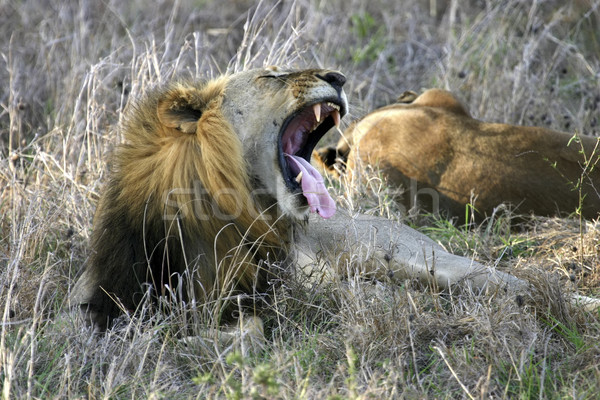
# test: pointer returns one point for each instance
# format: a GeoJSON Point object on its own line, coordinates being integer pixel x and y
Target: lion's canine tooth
{"type": "Point", "coordinates": [299, 177]}
{"type": "Point", "coordinates": [317, 110]}
{"type": "Point", "coordinates": [336, 118]}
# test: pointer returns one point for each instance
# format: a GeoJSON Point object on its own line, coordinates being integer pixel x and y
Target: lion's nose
{"type": "Point", "coordinates": [335, 79]}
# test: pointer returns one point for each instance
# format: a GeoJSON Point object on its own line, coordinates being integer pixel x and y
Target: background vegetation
{"type": "Point", "coordinates": [67, 70]}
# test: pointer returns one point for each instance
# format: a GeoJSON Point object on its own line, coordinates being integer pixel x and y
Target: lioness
{"type": "Point", "coordinates": [445, 159]}
{"type": "Point", "coordinates": [213, 187]}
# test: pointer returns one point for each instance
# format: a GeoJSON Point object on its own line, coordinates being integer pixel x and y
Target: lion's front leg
{"type": "Point", "coordinates": [377, 247]}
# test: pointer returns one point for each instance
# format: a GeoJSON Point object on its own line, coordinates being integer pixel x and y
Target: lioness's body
{"type": "Point", "coordinates": [437, 152]}
{"type": "Point", "coordinates": [212, 187]}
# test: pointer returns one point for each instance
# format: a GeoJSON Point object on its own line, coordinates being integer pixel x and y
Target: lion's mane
{"type": "Point", "coordinates": [151, 218]}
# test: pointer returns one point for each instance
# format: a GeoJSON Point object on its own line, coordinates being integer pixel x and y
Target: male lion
{"type": "Point", "coordinates": [213, 187]}
{"type": "Point", "coordinates": [444, 159]}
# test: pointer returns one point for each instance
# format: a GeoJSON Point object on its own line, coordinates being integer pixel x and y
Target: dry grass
{"type": "Point", "coordinates": [69, 68]}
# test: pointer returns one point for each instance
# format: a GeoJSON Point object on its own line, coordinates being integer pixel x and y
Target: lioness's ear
{"type": "Point", "coordinates": [407, 97]}
{"type": "Point", "coordinates": [180, 108]}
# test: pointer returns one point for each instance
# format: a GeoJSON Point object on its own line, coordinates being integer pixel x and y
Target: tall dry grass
{"type": "Point", "coordinates": [68, 69]}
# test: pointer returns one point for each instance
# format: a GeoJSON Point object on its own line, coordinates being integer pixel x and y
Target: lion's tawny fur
{"type": "Point", "coordinates": [445, 159]}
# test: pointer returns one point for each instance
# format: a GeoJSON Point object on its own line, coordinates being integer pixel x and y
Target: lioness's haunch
{"type": "Point", "coordinates": [445, 159]}
{"type": "Point", "coordinates": [206, 190]}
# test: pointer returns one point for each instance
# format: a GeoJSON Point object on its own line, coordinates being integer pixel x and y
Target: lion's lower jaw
{"type": "Point", "coordinates": [291, 205]}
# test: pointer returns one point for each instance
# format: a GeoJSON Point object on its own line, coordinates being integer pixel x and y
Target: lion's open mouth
{"type": "Point", "coordinates": [300, 134]}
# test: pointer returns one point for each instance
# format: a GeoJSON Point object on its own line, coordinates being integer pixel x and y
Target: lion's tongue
{"type": "Point", "coordinates": [313, 187]}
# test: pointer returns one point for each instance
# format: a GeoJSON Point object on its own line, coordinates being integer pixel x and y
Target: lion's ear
{"type": "Point", "coordinates": [407, 97]}
{"type": "Point", "coordinates": [180, 109]}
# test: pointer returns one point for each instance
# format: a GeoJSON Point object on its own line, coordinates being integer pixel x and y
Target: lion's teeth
{"type": "Point", "coordinates": [336, 118]}
{"type": "Point", "coordinates": [299, 177]}
{"type": "Point", "coordinates": [317, 110]}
